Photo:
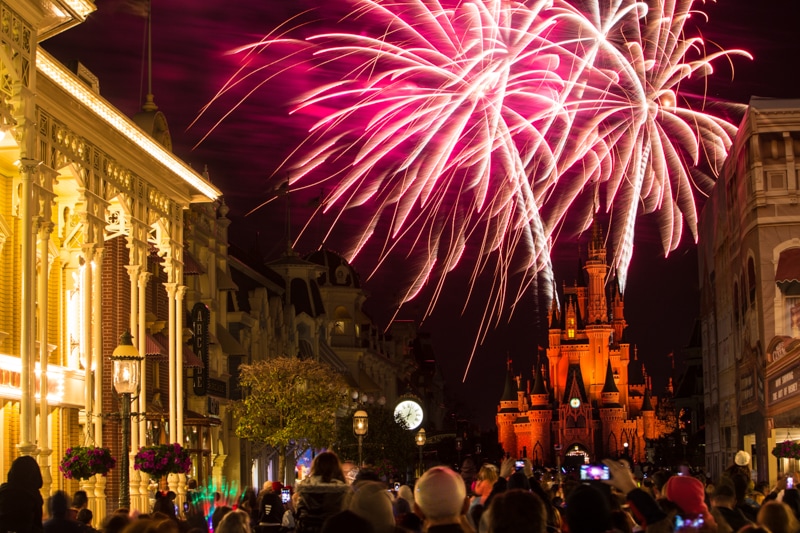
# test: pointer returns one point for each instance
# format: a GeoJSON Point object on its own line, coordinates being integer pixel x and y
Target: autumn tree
{"type": "Point", "coordinates": [289, 403]}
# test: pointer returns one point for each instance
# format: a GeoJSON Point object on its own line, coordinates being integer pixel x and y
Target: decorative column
{"type": "Point", "coordinates": [173, 399]}
{"type": "Point", "coordinates": [143, 502]}
{"type": "Point", "coordinates": [97, 492]}
{"type": "Point", "coordinates": [180, 294]}
{"type": "Point", "coordinates": [133, 474]}
{"type": "Point", "coordinates": [44, 411]}
{"type": "Point", "coordinates": [86, 338]}
{"type": "Point", "coordinates": [218, 461]}
{"type": "Point", "coordinates": [27, 444]}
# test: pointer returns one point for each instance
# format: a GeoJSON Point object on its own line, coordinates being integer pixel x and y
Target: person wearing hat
{"type": "Point", "coordinates": [440, 498]}
{"type": "Point", "coordinates": [270, 507]}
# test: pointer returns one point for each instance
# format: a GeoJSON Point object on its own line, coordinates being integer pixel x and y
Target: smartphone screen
{"type": "Point", "coordinates": [789, 483]}
{"type": "Point", "coordinates": [594, 472]}
{"type": "Point", "coordinates": [519, 465]}
{"type": "Point", "coordinates": [285, 495]}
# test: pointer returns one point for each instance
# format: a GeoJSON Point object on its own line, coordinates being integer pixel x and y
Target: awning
{"type": "Point", "coordinates": [191, 359]}
{"type": "Point", "coordinates": [228, 342]}
{"type": "Point", "coordinates": [787, 275]}
{"type": "Point", "coordinates": [157, 351]}
{"type": "Point", "coordinates": [225, 281]}
{"type": "Point", "coordinates": [156, 346]}
{"type": "Point", "coordinates": [191, 266]}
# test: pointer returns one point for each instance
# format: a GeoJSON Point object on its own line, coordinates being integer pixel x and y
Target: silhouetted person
{"type": "Point", "coordinates": [60, 522]}
{"type": "Point", "coordinates": [20, 501]}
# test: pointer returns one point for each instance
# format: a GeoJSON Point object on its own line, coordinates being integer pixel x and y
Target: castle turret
{"type": "Point", "coordinates": [507, 413]}
{"type": "Point", "coordinates": [648, 416]}
{"type": "Point", "coordinates": [597, 269]}
{"type": "Point", "coordinates": [610, 393]}
{"type": "Point", "coordinates": [540, 417]}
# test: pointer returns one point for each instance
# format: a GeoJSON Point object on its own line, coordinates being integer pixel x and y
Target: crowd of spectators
{"type": "Point", "coordinates": [509, 497]}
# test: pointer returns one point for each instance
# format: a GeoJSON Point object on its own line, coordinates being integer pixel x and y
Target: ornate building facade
{"type": "Point", "coordinates": [749, 269]}
{"type": "Point", "coordinates": [586, 398]}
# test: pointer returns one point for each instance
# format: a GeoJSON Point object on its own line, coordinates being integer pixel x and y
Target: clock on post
{"type": "Point", "coordinates": [409, 412]}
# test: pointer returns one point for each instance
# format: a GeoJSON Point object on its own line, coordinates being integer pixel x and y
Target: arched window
{"type": "Point", "coordinates": [751, 281]}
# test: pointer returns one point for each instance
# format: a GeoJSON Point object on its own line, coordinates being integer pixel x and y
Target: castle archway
{"type": "Point", "coordinates": [575, 455]}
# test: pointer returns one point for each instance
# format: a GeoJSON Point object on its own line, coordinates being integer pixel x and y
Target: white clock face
{"type": "Point", "coordinates": [575, 403]}
{"type": "Point", "coordinates": [410, 412]}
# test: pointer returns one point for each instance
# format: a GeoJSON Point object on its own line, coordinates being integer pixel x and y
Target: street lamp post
{"type": "Point", "coordinates": [420, 440]}
{"type": "Point", "coordinates": [126, 360]}
{"type": "Point", "coordinates": [360, 428]}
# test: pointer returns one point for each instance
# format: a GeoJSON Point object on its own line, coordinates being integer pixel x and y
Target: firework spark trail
{"type": "Point", "coordinates": [472, 127]}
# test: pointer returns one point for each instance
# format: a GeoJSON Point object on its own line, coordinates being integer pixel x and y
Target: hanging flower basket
{"type": "Point", "coordinates": [162, 459]}
{"type": "Point", "coordinates": [82, 462]}
{"type": "Point", "coordinates": [788, 449]}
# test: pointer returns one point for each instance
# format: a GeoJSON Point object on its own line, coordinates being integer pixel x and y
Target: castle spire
{"type": "Point", "coordinates": [610, 385]}
{"type": "Point", "coordinates": [510, 390]}
{"type": "Point", "coordinates": [647, 405]}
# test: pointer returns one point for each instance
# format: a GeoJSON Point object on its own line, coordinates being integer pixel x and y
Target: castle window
{"type": "Point", "coordinates": [571, 328]}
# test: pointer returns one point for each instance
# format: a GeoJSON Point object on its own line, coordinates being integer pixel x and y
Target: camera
{"type": "Point", "coordinates": [285, 496]}
{"type": "Point", "coordinates": [594, 472]}
{"type": "Point", "coordinates": [519, 465]}
{"type": "Point", "coordinates": [396, 487]}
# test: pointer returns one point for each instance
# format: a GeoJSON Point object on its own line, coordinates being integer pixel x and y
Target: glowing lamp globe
{"type": "Point", "coordinates": [360, 423]}
{"type": "Point", "coordinates": [126, 360]}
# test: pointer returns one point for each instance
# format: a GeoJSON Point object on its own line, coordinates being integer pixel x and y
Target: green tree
{"type": "Point", "coordinates": [387, 441]}
{"type": "Point", "coordinates": [289, 403]}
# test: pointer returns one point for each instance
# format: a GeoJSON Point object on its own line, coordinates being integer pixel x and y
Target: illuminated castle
{"type": "Point", "coordinates": [586, 399]}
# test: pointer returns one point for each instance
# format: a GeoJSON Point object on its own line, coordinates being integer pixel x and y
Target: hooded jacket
{"type": "Point", "coordinates": [317, 501]}
{"type": "Point", "coordinates": [20, 500]}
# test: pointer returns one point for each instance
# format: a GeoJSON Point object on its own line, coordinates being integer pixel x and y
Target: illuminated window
{"type": "Point", "coordinates": [571, 328]}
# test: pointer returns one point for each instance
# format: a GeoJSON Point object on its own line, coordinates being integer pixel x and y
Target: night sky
{"type": "Point", "coordinates": [191, 61]}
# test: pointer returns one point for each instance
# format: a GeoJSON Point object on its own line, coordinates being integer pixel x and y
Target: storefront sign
{"type": "Point", "coordinates": [217, 387]}
{"type": "Point", "coordinates": [785, 385]}
{"type": "Point", "coordinates": [200, 320]}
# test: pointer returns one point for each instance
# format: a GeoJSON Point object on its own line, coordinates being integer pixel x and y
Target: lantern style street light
{"type": "Point", "coordinates": [360, 428]}
{"type": "Point", "coordinates": [126, 360]}
{"type": "Point", "coordinates": [420, 440]}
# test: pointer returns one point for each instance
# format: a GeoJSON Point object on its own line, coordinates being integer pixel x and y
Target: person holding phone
{"type": "Point", "coordinates": [270, 508]}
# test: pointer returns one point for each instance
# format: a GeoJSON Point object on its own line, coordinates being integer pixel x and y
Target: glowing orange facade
{"type": "Point", "coordinates": [586, 399]}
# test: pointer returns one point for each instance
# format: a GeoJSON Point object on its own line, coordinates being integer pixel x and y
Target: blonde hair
{"type": "Point", "coordinates": [236, 521]}
{"type": "Point", "coordinates": [489, 473]}
{"type": "Point", "coordinates": [778, 517]}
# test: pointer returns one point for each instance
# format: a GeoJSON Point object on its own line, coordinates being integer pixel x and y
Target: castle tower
{"type": "Point", "coordinates": [597, 270]}
{"type": "Point", "coordinates": [612, 416]}
{"type": "Point", "coordinates": [540, 416]}
{"type": "Point", "coordinates": [648, 416]}
{"type": "Point", "coordinates": [507, 413]}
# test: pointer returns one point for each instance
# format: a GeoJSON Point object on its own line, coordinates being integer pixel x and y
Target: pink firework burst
{"type": "Point", "coordinates": [468, 129]}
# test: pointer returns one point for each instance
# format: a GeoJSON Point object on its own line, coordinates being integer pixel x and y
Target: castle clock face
{"type": "Point", "coordinates": [410, 413]}
{"type": "Point", "coordinates": [575, 403]}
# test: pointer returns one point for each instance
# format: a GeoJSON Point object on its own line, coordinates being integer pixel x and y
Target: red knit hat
{"type": "Point", "coordinates": [688, 493]}
{"type": "Point", "coordinates": [276, 486]}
